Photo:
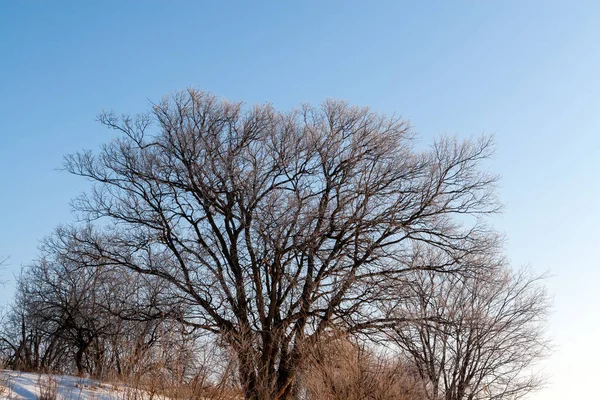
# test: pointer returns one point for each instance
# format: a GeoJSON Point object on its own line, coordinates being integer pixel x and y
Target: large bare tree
{"type": "Point", "coordinates": [273, 226]}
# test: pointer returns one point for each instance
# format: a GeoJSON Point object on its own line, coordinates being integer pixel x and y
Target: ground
{"type": "Point", "coordinates": [21, 385]}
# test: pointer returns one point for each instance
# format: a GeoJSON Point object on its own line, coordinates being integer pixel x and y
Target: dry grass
{"type": "Point", "coordinates": [6, 384]}
{"type": "Point", "coordinates": [342, 370]}
{"type": "Point", "coordinates": [48, 388]}
{"type": "Point", "coordinates": [162, 384]}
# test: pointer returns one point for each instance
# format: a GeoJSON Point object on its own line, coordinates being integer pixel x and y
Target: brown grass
{"type": "Point", "coordinates": [48, 388]}
{"type": "Point", "coordinates": [343, 370]}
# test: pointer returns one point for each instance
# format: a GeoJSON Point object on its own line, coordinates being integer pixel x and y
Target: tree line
{"type": "Point", "coordinates": [264, 236]}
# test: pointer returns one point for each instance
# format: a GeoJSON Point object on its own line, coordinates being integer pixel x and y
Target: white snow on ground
{"type": "Point", "coordinates": [21, 385]}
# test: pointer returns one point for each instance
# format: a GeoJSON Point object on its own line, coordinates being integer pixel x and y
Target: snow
{"type": "Point", "coordinates": [21, 385]}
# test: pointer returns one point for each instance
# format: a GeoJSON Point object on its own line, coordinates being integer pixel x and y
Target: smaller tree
{"type": "Point", "coordinates": [476, 335]}
{"type": "Point", "coordinates": [70, 315]}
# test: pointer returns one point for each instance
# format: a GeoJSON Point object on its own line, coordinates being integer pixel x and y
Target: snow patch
{"type": "Point", "coordinates": [23, 385]}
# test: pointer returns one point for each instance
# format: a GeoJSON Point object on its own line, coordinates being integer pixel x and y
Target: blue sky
{"type": "Point", "coordinates": [526, 71]}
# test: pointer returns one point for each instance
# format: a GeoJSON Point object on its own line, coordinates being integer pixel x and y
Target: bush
{"type": "Point", "coordinates": [343, 370]}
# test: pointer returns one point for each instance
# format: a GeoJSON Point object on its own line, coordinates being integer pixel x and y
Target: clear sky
{"type": "Point", "coordinates": [526, 71]}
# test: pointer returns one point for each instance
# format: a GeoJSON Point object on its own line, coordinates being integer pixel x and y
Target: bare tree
{"type": "Point", "coordinates": [25, 347]}
{"type": "Point", "coordinates": [70, 316]}
{"type": "Point", "coordinates": [475, 336]}
{"type": "Point", "coordinates": [274, 226]}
